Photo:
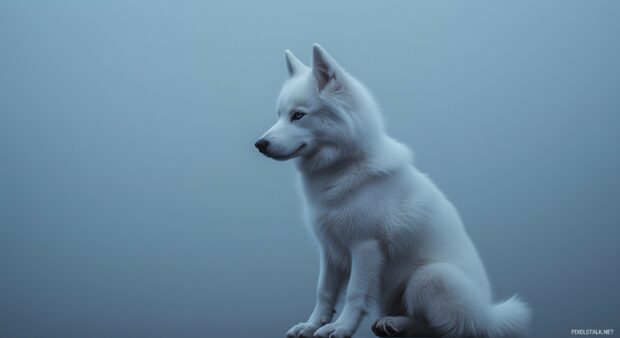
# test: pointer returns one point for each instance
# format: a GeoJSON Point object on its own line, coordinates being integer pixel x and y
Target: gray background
{"type": "Point", "coordinates": [133, 204]}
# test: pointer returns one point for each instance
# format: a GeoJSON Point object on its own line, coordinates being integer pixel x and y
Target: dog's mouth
{"type": "Point", "coordinates": [284, 157]}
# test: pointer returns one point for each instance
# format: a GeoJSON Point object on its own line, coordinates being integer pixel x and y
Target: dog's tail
{"type": "Point", "coordinates": [509, 318]}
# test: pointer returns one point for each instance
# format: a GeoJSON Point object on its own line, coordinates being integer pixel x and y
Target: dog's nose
{"type": "Point", "coordinates": [261, 145]}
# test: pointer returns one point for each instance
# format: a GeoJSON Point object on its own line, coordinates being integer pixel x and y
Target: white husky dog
{"type": "Point", "coordinates": [387, 235]}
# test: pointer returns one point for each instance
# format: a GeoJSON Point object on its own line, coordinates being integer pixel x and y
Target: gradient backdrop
{"type": "Point", "coordinates": [133, 203]}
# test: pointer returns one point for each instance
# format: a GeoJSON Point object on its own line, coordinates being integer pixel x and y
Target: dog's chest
{"type": "Point", "coordinates": [342, 215]}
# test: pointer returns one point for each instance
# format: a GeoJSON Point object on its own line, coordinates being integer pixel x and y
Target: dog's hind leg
{"type": "Point", "coordinates": [394, 320]}
{"type": "Point", "coordinates": [448, 300]}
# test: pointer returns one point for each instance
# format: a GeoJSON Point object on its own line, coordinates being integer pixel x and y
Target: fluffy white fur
{"type": "Point", "coordinates": [387, 235]}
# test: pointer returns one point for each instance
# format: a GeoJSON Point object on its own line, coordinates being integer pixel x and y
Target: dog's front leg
{"type": "Point", "coordinates": [331, 280]}
{"type": "Point", "coordinates": [366, 263]}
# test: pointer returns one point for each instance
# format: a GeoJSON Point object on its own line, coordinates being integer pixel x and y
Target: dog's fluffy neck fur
{"type": "Point", "coordinates": [335, 182]}
{"type": "Point", "coordinates": [372, 159]}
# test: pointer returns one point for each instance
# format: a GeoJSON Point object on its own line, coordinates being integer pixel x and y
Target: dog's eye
{"type": "Point", "coordinates": [297, 115]}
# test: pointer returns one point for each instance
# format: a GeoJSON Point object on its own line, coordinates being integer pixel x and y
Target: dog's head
{"type": "Point", "coordinates": [324, 115]}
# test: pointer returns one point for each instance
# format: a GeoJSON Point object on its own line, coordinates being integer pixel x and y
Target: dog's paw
{"type": "Point", "coordinates": [393, 327]}
{"type": "Point", "coordinates": [302, 330]}
{"type": "Point", "coordinates": [386, 327]}
{"type": "Point", "coordinates": [334, 330]}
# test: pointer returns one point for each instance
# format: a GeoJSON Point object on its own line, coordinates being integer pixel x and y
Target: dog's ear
{"type": "Point", "coordinates": [325, 69]}
{"type": "Point", "coordinates": [294, 66]}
